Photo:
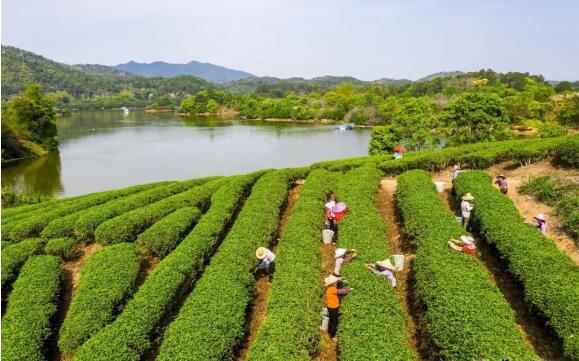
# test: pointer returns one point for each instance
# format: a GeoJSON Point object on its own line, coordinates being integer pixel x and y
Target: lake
{"type": "Point", "coordinates": [102, 150]}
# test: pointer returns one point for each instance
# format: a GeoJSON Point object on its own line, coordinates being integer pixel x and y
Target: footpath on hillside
{"type": "Point", "coordinates": [258, 311]}
{"type": "Point", "coordinates": [527, 206]}
{"type": "Point", "coordinates": [70, 279]}
{"type": "Point", "coordinates": [416, 327]}
{"type": "Point", "coordinates": [328, 349]}
{"type": "Point", "coordinates": [541, 339]}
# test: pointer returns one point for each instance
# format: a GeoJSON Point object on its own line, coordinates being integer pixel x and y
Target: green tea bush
{"type": "Point", "coordinates": [468, 318]}
{"type": "Point", "coordinates": [549, 277]}
{"type": "Point", "coordinates": [107, 279]}
{"type": "Point", "coordinates": [14, 256]}
{"type": "Point", "coordinates": [373, 308]}
{"type": "Point", "coordinates": [64, 226]}
{"type": "Point", "coordinates": [162, 237]}
{"type": "Point", "coordinates": [551, 130]}
{"type": "Point", "coordinates": [35, 222]}
{"type": "Point", "coordinates": [291, 330]}
{"type": "Point", "coordinates": [567, 155]}
{"type": "Point", "coordinates": [127, 226]}
{"type": "Point", "coordinates": [129, 336]}
{"type": "Point", "coordinates": [222, 295]}
{"type": "Point", "coordinates": [88, 221]}
{"type": "Point", "coordinates": [61, 247]}
{"type": "Point", "coordinates": [31, 305]}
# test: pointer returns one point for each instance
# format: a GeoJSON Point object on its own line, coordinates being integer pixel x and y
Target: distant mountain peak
{"type": "Point", "coordinates": [210, 72]}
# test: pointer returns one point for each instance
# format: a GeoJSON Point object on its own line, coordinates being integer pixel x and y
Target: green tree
{"type": "Point", "coordinates": [568, 114]}
{"type": "Point", "coordinates": [563, 86]}
{"type": "Point", "coordinates": [476, 117]}
{"type": "Point", "coordinates": [411, 126]}
{"type": "Point", "coordinates": [31, 117]}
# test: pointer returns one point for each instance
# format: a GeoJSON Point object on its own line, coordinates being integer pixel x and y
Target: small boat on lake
{"type": "Point", "coordinates": [344, 127]}
{"type": "Point", "coordinates": [125, 110]}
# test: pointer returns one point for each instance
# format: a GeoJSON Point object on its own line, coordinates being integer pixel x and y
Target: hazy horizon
{"type": "Point", "coordinates": [365, 39]}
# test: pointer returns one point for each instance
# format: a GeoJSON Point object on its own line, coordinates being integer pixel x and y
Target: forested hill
{"type": "Point", "coordinates": [20, 67]}
{"type": "Point", "coordinates": [209, 72]}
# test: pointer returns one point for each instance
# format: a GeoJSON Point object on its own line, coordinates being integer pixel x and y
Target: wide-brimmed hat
{"type": "Point", "coordinates": [386, 264]}
{"type": "Point", "coordinates": [330, 204]}
{"type": "Point", "coordinates": [261, 252]}
{"type": "Point", "coordinates": [339, 252]}
{"type": "Point", "coordinates": [501, 176]}
{"type": "Point", "coordinates": [467, 197]}
{"type": "Point", "coordinates": [540, 217]}
{"type": "Point", "coordinates": [467, 239]}
{"type": "Point", "coordinates": [456, 166]}
{"type": "Point", "coordinates": [330, 280]}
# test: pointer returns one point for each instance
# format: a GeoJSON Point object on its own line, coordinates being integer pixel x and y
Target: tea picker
{"type": "Point", "coordinates": [266, 261]}
{"type": "Point", "coordinates": [384, 268]}
{"type": "Point", "coordinates": [465, 245]}
{"type": "Point", "coordinates": [502, 183]}
{"type": "Point", "coordinates": [334, 214]}
{"type": "Point", "coordinates": [465, 208]}
{"type": "Point", "coordinates": [333, 294]}
{"type": "Point", "coordinates": [342, 257]}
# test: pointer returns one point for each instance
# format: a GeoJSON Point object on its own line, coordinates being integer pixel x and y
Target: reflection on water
{"type": "Point", "coordinates": [40, 175]}
{"type": "Point", "coordinates": [103, 150]}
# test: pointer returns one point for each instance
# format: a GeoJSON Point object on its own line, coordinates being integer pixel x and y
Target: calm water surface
{"type": "Point", "coordinates": [104, 149]}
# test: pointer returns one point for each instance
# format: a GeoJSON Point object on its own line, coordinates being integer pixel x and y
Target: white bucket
{"type": "Point", "coordinates": [324, 323]}
{"type": "Point", "coordinates": [327, 236]}
{"type": "Point", "coordinates": [325, 320]}
{"type": "Point", "coordinates": [458, 219]}
{"type": "Point", "coordinates": [398, 262]}
{"type": "Point", "coordinates": [439, 186]}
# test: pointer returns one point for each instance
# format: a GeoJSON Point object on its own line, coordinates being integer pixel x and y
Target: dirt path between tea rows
{"type": "Point", "coordinates": [541, 339]}
{"type": "Point", "coordinates": [263, 286]}
{"type": "Point", "coordinates": [416, 328]}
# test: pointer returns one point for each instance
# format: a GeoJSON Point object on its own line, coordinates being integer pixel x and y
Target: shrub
{"type": "Point", "coordinates": [127, 226]}
{"type": "Point", "coordinates": [61, 247]}
{"type": "Point", "coordinates": [125, 339]}
{"type": "Point", "coordinates": [64, 226]}
{"type": "Point", "coordinates": [88, 221]}
{"type": "Point", "coordinates": [14, 256]}
{"type": "Point", "coordinates": [551, 130]}
{"type": "Point", "coordinates": [549, 277]}
{"type": "Point", "coordinates": [567, 152]}
{"type": "Point", "coordinates": [163, 236]}
{"type": "Point", "coordinates": [107, 278]}
{"type": "Point", "coordinates": [468, 318]}
{"type": "Point", "coordinates": [373, 307]}
{"type": "Point", "coordinates": [35, 222]}
{"type": "Point", "coordinates": [291, 330]}
{"type": "Point", "coordinates": [26, 324]}
{"type": "Point", "coordinates": [217, 305]}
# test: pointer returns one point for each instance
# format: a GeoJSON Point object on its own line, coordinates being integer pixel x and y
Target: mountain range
{"type": "Point", "coordinates": [210, 72]}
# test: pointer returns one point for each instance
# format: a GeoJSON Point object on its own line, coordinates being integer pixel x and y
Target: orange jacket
{"type": "Point", "coordinates": [332, 299]}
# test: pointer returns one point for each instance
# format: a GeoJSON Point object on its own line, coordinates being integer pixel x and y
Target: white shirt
{"type": "Point", "coordinates": [465, 208]}
{"type": "Point", "coordinates": [269, 256]}
{"type": "Point", "coordinates": [338, 265]}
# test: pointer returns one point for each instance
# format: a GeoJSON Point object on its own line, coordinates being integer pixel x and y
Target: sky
{"type": "Point", "coordinates": [367, 39]}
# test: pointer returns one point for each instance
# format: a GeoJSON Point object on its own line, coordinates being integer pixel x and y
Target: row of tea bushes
{"type": "Point", "coordinates": [373, 323]}
{"type": "Point", "coordinates": [34, 222]}
{"type": "Point", "coordinates": [549, 277]}
{"type": "Point", "coordinates": [162, 237]}
{"type": "Point", "coordinates": [83, 224]}
{"type": "Point", "coordinates": [291, 330]}
{"type": "Point", "coordinates": [107, 278]}
{"type": "Point", "coordinates": [129, 336]}
{"type": "Point", "coordinates": [33, 302]}
{"type": "Point", "coordinates": [467, 316]}
{"type": "Point", "coordinates": [14, 256]}
{"type": "Point", "coordinates": [127, 226]}
{"type": "Point", "coordinates": [477, 155]}
{"type": "Point", "coordinates": [218, 304]}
